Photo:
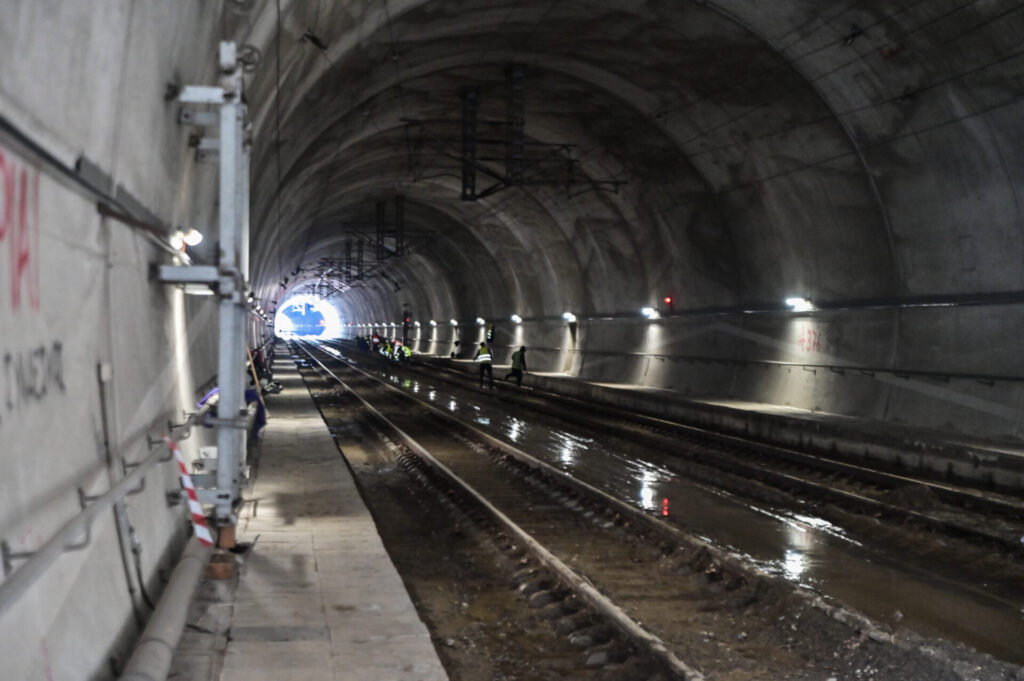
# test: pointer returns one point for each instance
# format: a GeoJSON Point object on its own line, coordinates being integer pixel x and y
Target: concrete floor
{"type": "Point", "coordinates": [317, 597]}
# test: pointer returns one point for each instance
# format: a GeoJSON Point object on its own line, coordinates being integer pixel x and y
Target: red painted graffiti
{"type": "Point", "coordinates": [19, 226]}
{"type": "Point", "coordinates": [810, 340]}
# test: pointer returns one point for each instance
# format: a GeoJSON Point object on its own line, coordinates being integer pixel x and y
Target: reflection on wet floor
{"type": "Point", "coordinates": [807, 550]}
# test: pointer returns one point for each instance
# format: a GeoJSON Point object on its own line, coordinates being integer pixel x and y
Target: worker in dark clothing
{"type": "Point", "coordinates": [518, 366]}
{"type": "Point", "coordinates": [483, 357]}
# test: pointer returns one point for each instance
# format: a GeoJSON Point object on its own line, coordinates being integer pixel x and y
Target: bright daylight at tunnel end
{"type": "Point", "coordinates": [496, 339]}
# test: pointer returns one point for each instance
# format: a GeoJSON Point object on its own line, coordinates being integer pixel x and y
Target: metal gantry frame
{"type": "Point", "coordinates": [229, 278]}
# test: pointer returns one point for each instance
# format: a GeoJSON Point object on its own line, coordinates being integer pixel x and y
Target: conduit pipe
{"type": "Point", "coordinates": [22, 579]}
{"type": "Point", "coordinates": [151, 659]}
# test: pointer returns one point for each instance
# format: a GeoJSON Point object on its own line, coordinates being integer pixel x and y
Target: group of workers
{"type": "Point", "coordinates": [394, 349]}
{"type": "Point", "coordinates": [484, 358]}
{"type": "Point", "coordinates": [388, 348]}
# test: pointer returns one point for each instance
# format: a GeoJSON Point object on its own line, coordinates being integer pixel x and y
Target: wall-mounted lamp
{"type": "Point", "coordinates": [433, 323]}
{"type": "Point", "coordinates": [569, 317]}
{"type": "Point", "coordinates": [800, 304]}
{"type": "Point", "coordinates": [516, 319]}
{"type": "Point", "coordinates": [416, 324]}
{"type": "Point", "coordinates": [481, 321]}
{"type": "Point", "coordinates": [454, 323]}
{"type": "Point", "coordinates": [192, 237]}
{"type": "Point", "coordinates": [650, 313]}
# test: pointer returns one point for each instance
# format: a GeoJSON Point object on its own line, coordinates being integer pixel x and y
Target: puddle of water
{"type": "Point", "coordinates": [802, 548]}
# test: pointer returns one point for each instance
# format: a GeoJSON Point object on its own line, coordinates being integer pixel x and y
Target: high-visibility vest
{"type": "Point", "coordinates": [483, 355]}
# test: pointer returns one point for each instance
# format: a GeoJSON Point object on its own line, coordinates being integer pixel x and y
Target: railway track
{"type": "Point", "coordinates": [993, 521]}
{"type": "Point", "coordinates": [615, 580]}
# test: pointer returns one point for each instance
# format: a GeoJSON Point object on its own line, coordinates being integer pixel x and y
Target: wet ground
{"type": "Point", "coordinates": [980, 607]}
{"type": "Point", "coordinates": [460, 581]}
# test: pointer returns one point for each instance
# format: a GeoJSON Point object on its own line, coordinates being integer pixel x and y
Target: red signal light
{"type": "Point", "coordinates": [668, 300]}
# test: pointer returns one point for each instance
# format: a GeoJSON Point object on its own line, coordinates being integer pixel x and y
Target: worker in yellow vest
{"type": "Point", "coordinates": [518, 366]}
{"type": "Point", "coordinates": [483, 357]}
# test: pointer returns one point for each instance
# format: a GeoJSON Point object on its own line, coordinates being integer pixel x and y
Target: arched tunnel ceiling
{"type": "Point", "coordinates": [835, 149]}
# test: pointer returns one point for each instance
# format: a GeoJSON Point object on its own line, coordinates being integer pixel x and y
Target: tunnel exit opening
{"type": "Point", "coordinates": [306, 316]}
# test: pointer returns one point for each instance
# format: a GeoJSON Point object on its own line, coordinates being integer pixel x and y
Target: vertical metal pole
{"type": "Point", "coordinates": [348, 261]}
{"type": "Point", "coordinates": [399, 225]}
{"type": "Point", "coordinates": [230, 364]}
{"type": "Point", "coordinates": [381, 207]}
{"type": "Point", "coordinates": [244, 206]}
{"type": "Point", "coordinates": [514, 152]}
{"type": "Point", "coordinates": [469, 107]}
{"type": "Point", "coordinates": [359, 259]}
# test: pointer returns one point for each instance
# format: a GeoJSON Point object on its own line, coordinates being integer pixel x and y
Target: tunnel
{"type": "Point", "coordinates": [794, 224]}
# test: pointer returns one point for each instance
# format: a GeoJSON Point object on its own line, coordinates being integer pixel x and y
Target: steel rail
{"type": "Point", "coordinates": [580, 585]}
{"type": "Point", "coordinates": [837, 611]}
{"type": "Point", "coordinates": [957, 494]}
{"type": "Point", "coordinates": [859, 502]}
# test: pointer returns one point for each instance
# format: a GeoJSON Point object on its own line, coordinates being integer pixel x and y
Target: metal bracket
{"type": "Point", "coordinates": [204, 480]}
{"type": "Point", "coordinates": [202, 94]}
{"type": "Point", "coordinates": [239, 424]}
{"type": "Point", "coordinates": [212, 496]}
{"type": "Point", "coordinates": [197, 274]}
{"type": "Point", "coordinates": [202, 118]}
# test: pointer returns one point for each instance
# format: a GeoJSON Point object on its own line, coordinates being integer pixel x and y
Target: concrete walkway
{"type": "Point", "coordinates": [318, 598]}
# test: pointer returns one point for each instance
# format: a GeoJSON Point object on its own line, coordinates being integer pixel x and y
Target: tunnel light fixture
{"type": "Point", "coordinates": [416, 324]}
{"type": "Point", "coordinates": [481, 321]}
{"type": "Point", "coordinates": [569, 317]}
{"type": "Point", "coordinates": [516, 319]}
{"type": "Point", "coordinates": [192, 237]}
{"type": "Point", "coordinates": [454, 323]}
{"type": "Point", "coordinates": [433, 323]}
{"type": "Point", "coordinates": [800, 304]}
{"type": "Point", "coordinates": [650, 313]}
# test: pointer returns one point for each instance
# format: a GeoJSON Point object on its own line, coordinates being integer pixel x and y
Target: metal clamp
{"type": "Point", "coordinates": [7, 556]}
{"type": "Point", "coordinates": [238, 424]}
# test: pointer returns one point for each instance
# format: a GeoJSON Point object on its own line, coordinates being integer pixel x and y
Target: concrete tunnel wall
{"type": "Point", "coordinates": [768, 154]}
{"type": "Point", "coordinates": [769, 150]}
{"type": "Point", "coordinates": [88, 80]}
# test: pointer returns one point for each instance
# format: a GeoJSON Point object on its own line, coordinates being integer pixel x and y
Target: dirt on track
{"type": "Point", "coordinates": [463, 585]}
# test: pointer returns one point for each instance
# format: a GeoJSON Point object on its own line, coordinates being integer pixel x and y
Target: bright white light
{"type": "Point", "coordinates": [650, 313]}
{"type": "Point", "coordinates": [198, 290]}
{"type": "Point", "coordinates": [433, 323]}
{"type": "Point", "coordinates": [332, 325]}
{"type": "Point", "coordinates": [647, 490]}
{"type": "Point", "coordinates": [480, 321]}
{"type": "Point", "coordinates": [516, 319]}
{"type": "Point", "coordinates": [416, 324]}
{"type": "Point", "coordinates": [178, 240]}
{"type": "Point", "coordinates": [391, 324]}
{"type": "Point", "coordinates": [454, 323]}
{"type": "Point", "coordinates": [800, 304]}
{"type": "Point", "coordinates": [193, 237]}
{"type": "Point", "coordinates": [569, 317]}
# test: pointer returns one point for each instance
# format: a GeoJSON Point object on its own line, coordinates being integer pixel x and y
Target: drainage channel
{"type": "Point", "coordinates": [720, 614]}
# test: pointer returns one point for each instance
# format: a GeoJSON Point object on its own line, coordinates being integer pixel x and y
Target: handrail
{"type": "Point", "coordinates": [39, 561]}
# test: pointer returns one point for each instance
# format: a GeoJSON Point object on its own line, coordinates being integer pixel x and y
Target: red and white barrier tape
{"type": "Point", "coordinates": [198, 519]}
